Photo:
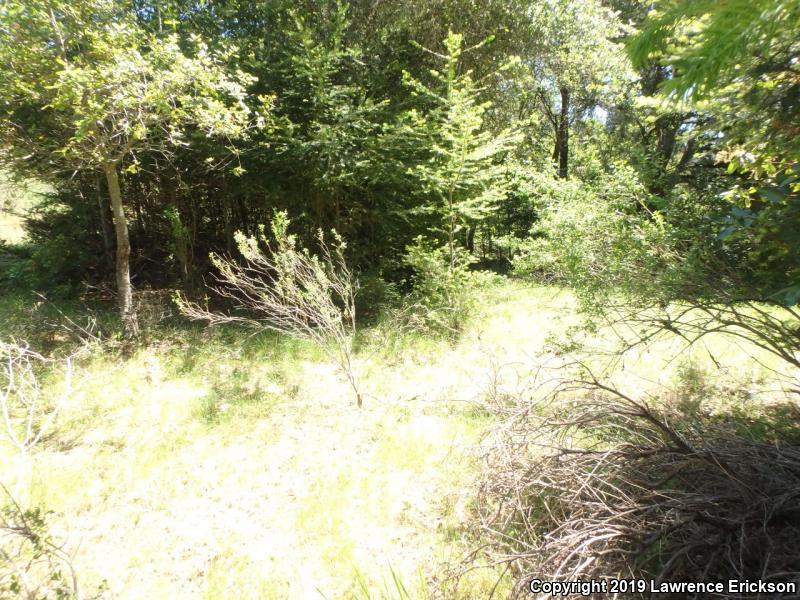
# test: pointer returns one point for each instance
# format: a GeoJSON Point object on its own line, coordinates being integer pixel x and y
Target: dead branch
{"type": "Point", "coordinates": [27, 417]}
{"type": "Point", "coordinates": [589, 482]}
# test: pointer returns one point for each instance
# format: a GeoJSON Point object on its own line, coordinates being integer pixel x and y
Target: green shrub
{"type": "Point", "coordinates": [611, 240]}
{"type": "Point", "coordinates": [442, 296]}
{"type": "Point", "coordinates": [607, 240]}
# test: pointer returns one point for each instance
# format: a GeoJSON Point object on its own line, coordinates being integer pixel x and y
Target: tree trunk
{"type": "Point", "coordinates": [451, 231]}
{"type": "Point", "coordinates": [124, 289]}
{"type": "Point", "coordinates": [563, 135]}
{"type": "Point", "coordinates": [181, 238]}
{"type": "Point", "coordinates": [471, 238]}
{"type": "Point", "coordinates": [450, 243]}
{"type": "Point", "coordinates": [666, 134]}
{"type": "Point", "coordinates": [226, 210]}
{"type": "Point", "coordinates": [105, 225]}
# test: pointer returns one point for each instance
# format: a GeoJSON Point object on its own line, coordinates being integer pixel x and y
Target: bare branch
{"type": "Point", "coordinates": [27, 417]}
{"type": "Point", "coordinates": [588, 482]}
{"type": "Point", "coordinates": [291, 291]}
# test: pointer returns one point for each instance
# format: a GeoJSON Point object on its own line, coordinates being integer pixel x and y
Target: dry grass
{"type": "Point", "coordinates": [208, 465]}
{"type": "Point", "coordinates": [220, 466]}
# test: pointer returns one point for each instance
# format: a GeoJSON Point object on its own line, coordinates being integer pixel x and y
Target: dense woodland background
{"type": "Point", "coordinates": [403, 182]}
{"type": "Point", "coordinates": [367, 118]}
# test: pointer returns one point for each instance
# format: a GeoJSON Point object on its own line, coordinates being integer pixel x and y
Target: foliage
{"type": "Point", "coordinates": [712, 44]}
{"type": "Point", "coordinates": [601, 240]}
{"type": "Point", "coordinates": [579, 49]}
{"type": "Point", "coordinates": [289, 290]}
{"type": "Point", "coordinates": [444, 290]}
{"type": "Point", "coordinates": [32, 565]}
{"type": "Point", "coordinates": [53, 261]}
{"type": "Point", "coordinates": [104, 91]}
{"type": "Point", "coordinates": [329, 120]}
{"type": "Point", "coordinates": [735, 60]}
{"type": "Point", "coordinates": [574, 63]}
{"type": "Point", "coordinates": [459, 168]}
{"type": "Point", "coordinates": [349, 117]}
{"type": "Point", "coordinates": [763, 223]}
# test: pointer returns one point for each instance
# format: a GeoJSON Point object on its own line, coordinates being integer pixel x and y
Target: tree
{"type": "Point", "coordinates": [741, 52]}
{"type": "Point", "coordinates": [458, 159]}
{"type": "Point", "coordinates": [737, 61]}
{"type": "Point", "coordinates": [88, 89]}
{"type": "Point", "coordinates": [329, 123]}
{"type": "Point", "coordinates": [575, 63]}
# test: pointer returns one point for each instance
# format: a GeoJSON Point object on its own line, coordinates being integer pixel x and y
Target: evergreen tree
{"type": "Point", "coordinates": [460, 161]}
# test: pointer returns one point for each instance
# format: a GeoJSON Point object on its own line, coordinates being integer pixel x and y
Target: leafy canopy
{"type": "Point", "coordinates": [87, 85]}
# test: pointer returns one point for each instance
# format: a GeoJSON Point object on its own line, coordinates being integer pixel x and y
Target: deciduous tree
{"type": "Point", "coordinates": [86, 88]}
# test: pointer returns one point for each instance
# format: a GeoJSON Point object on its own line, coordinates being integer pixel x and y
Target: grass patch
{"type": "Point", "coordinates": [206, 463]}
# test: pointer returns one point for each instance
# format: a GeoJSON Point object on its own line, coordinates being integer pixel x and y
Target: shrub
{"type": "Point", "coordinates": [442, 296]}
{"type": "Point", "coordinates": [609, 240]}
{"type": "Point", "coordinates": [376, 296]}
{"type": "Point", "coordinates": [63, 245]}
{"type": "Point", "coordinates": [289, 290]}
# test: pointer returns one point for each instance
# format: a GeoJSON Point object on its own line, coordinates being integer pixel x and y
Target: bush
{"type": "Point", "coordinates": [442, 297]}
{"type": "Point", "coordinates": [65, 246]}
{"type": "Point", "coordinates": [612, 242]}
{"type": "Point", "coordinates": [290, 291]}
{"type": "Point", "coordinates": [608, 239]}
{"type": "Point", "coordinates": [376, 296]}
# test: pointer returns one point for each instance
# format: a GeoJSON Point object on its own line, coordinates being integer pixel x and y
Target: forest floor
{"type": "Point", "coordinates": [216, 464]}
{"type": "Point", "coordinates": [209, 464]}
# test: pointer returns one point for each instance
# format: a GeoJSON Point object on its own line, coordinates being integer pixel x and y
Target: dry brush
{"type": "Point", "coordinates": [284, 288]}
{"type": "Point", "coordinates": [593, 483]}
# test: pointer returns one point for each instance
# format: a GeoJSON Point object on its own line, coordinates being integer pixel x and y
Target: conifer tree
{"type": "Point", "coordinates": [459, 166]}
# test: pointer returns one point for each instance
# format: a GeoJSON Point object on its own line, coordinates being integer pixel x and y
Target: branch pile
{"type": "Point", "coordinates": [607, 487]}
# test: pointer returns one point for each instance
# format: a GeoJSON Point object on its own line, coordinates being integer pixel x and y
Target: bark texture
{"type": "Point", "coordinates": [122, 266]}
{"type": "Point", "coordinates": [563, 135]}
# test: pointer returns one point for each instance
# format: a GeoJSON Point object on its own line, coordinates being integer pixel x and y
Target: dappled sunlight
{"type": "Point", "coordinates": [368, 300]}
{"type": "Point", "coordinates": [235, 476]}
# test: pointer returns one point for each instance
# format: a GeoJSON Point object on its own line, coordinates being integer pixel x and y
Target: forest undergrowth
{"type": "Point", "coordinates": [397, 300]}
{"type": "Point", "coordinates": [218, 463]}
